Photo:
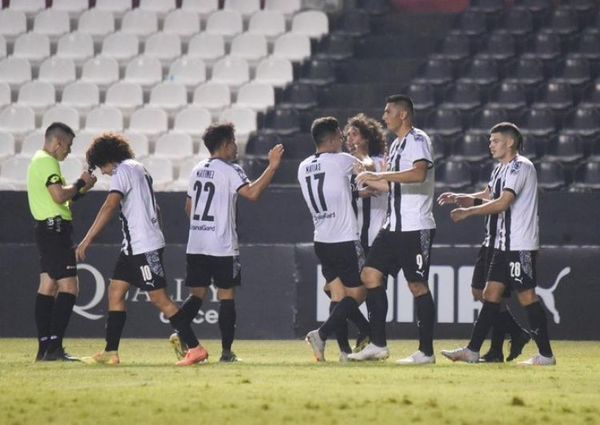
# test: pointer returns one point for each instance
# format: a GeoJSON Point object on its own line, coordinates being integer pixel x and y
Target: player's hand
{"type": "Point", "coordinates": [366, 176]}
{"type": "Point", "coordinates": [80, 251]}
{"type": "Point", "coordinates": [89, 179]}
{"type": "Point", "coordinates": [458, 214]}
{"type": "Point", "coordinates": [275, 155]}
{"type": "Point", "coordinates": [464, 201]}
{"type": "Point", "coordinates": [447, 198]}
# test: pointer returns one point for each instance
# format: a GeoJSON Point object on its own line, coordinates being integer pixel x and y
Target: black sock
{"type": "Point", "coordinates": [43, 318]}
{"type": "Point", "coordinates": [511, 326]}
{"type": "Point", "coordinates": [63, 307]}
{"type": "Point", "coordinates": [377, 303]}
{"type": "Point", "coordinates": [485, 320]}
{"type": "Point", "coordinates": [114, 328]}
{"type": "Point", "coordinates": [227, 318]}
{"type": "Point", "coordinates": [338, 316]}
{"type": "Point", "coordinates": [183, 328]}
{"type": "Point", "coordinates": [499, 331]}
{"type": "Point", "coordinates": [539, 328]}
{"type": "Point", "coordinates": [425, 308]}
{"type": "Point", "coordinates": [361, 322]}
{"type": "Point", "coordinates": [190, 307]}
{"type": "Point", "coordinates": [341, 332]}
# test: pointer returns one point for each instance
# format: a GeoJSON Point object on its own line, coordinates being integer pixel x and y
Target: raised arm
{"type": "Point", "coordinates": [255, 189]}
{"type": "Point", "coordinates": [61, 194]}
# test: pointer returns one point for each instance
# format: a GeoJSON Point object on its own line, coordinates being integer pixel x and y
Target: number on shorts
{"type": "Point", "coordinates": [515, 269]}
{"type": "Point", "coordinates": [419, 260]}
{"type": "Point", "coordinates": [146, 273]}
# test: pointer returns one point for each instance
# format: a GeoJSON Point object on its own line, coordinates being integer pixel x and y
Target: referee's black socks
{"type": "Point", "coordinates": [61, 313]}
{"type": "Point", "coordinates": [227, 319]}
{"type": "Point", "coordinates": [425, 308]}
{"type": "Point", "coordinates": [539, 328]}
{"type": "Point", "coordinates": [43, 319]}
{"type": "Point", "coordinates": [191, 306]}
{"type": "Point", "coordinates": [377, 304]}
{"type": "Point", "coordinates": [114, 328]}
{"type": "Point", "coordinates": [487, 317]}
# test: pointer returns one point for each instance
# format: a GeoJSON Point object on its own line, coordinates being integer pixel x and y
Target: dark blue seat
{"type": "Point", "coordinates": [473, 147]}
{"type": "Point", "coordinates": [453, 175]}
{"type": "Point", "coordinates": [587, 177]}
{"type": "Point", "coordinates": [551, 175]}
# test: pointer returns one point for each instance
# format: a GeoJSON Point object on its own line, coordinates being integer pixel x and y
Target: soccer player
{"type": "Point", "coordinates": [513, 263]}
{"type": "Point", "coordinates": [212, 248]}
{"type": "Point", "coordinates": [405, 240]}
{"type": "Point", "coordinates": [506, 321]}
{"type": "Point", "coordinates": [50, 205]}
{"type": "Point", "coordinates": [140, 261]}
{"type": "Point", "coordinates": [325, 180]}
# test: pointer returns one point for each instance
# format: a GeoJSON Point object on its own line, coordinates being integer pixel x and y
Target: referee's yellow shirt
{"type": "Point", "coordinates": [42, 172]}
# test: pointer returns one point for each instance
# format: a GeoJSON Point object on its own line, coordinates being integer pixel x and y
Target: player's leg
{"type": "Point", "coordinates": [44, 303]}
{"type": "Point", "coordinates": [197, 280]}
{"type": "Point", "coordinates": [227, 323]}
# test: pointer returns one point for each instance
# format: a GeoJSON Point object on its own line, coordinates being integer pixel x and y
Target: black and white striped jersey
{"type": "Point", "coordinates": [371, 211]}
{"type": "Point", "coordinates": [213, 191]}
{"type": "Point", "coordinates": [410, 205]}
{"type": "Point", "coordinates": [495, 189]}
{"type": "Point", "coordinates": [517, 228]}
{"type": "Point", "coordinates": [139, 212]}
{"type": "Point", "coordinates": [325, 180]}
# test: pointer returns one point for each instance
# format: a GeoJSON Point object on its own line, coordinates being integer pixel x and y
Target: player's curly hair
{"type": "Point", "coordinates": [371, 130]}
{"type": "Point", "coordinates": [107, 148]}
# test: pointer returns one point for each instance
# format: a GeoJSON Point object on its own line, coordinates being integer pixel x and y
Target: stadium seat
{"type": "Point", "coordinates": [439, 146]}
{"type": "Point", "coordinates": [73, 7]}
{"type": "Point", "coordinates": [81, 143]}
{"type": "Point", "coordinates": [294, 47]}
{"type": "Point", "coordinates": [126, 96]}
{"type": "Point", "coordinates": [297, 145]}
{"type": "Point", "coordinates": [208, 47]}
{"type": "Point", "coordinates": [509, 96]}
{"type": "Point", "coordinates": [336, 47]}
{"type": "Point", "coordinates": [446, 122]}
{"type": "Point", "coordinates": [139, 22]}
{"type": "Point", "coordinates": [313, 23]}
{"type": "Point", "coordinates": [250, 47]}
{"type": "Point", "coordinates": [281, 121]}
{"type": "Point", "coordinates": [423, 97]}
{"type": "Point", "coordinates": [287, 7]}
{"type": "Point", "coordinates": [354, 23]}
{"type": "Point", "coordinates": [576, 72]}
{"type": "Point", "coordinates": [29, 7]}
{"type": "Point", "coordinates": [116, 7]}
{"type": "Point", "coordinates": [538, 127]}
{"type": "Point", "coordinates": [81, 95]}
{"type": "Point", "coordinates": [32, 46]}
{"type": "Point", "coordinates": [169, 96]}
{"type": "Point", "coordinates": [160, 7]}
{"type": "Point", "coordinates": [145, 71]}
{"type": "Point", "coordinates": [188, 70]}
{"type": "Point", "coordinates": [38, 95]}
{"type": "Point", "coordinates": [174, 146]}
{"type": "Point", "coordinates": [2, 47]}
{"type": "Point", "coordinates": [454, 47]}
{"type": "Point", "coordinates": [32, 143]}
{"type": "Point", "coordinates": [76, 46]}
{"type": "Point", "coordinates": [96, 23]}
{"type": "Point", "coordinates": [260, 143]}
{"type": "Point", "coordinates": [482, 72]}
{"type": "Point", "coordinates": [588, 47]}
{"type": "Point", "coordinates": [60, 113]}
{"type": "Point", "coordinates": [500, 46]}
{"type": "Point", "coordinates": [121, 46]}
{"type": "Point", "coordinates": [164, 47]}
{"type": "Point", "coordinates": [101, 71]}
{"type": "Point", "coordinates": [18, 120]}
{"type": "Point", "coordinates": [488, 7]}
{"type": "Point", "coordinates": [244, 120]}
{"type": "Point", "coordinates": [213, 96]}
{"type": "Point", "coordinates": [556, 96]}
{"type": "Point", "coordinates": [232, 71]}
{"type": "Point", "coordinates": [563, 22]}
{"type": "Point", "coordinates": [52, 23]}
{"type": "Point", "coordinates": [161, 171]}
{"type": "Point", "coordinates": [274, 71]}
{"type": "Point", "coordinates": [201, 8]}
{"type": "Point", "coordinates": [529, 73]}
{"type": "Point", "coordinates": [453, 175]}
{"type": "Point", "coordinates": [299, 96]}
{"type": "Point", "coordinates": [550, 175]}
{"type": "Point", "coordinates": [474, 147]}
{"type": "Point", "coordinates": [437, 72]}
{"type": "Point", "coordinates": [472, 24]}
{"type": "Point", "coordinates": [58, 71]}
{"type": "Point", "coordinates": [485, 119]}
{"type": "Point", "coordinates": [518, 21]}
{"type": "Point", "coordinates": [139, 144]}
{"type": "Point", "coordinates": [587, 177]}
{"type": "Point", "coordinates": [546, 47]}
{"type": "Point", "coordinates": [182, 23]}
{"type": "Point", "coordinates": [15, 71]}
{"type": "Point", "coordinates": [226, 23]}
{"type": "Point", "coordinates": [583, 122]}
{"type": "Point", "coordinates": [7, 145]}
{"type": "Point", "coordinates": [269, 23]}
{"type": "Point", "coordinates": [71, 168]}
{"type": "Point", "coordinates": [13, 172]}
{"type": "Point", "coordinates": [591, 97]}
{"type": "Point", "coordinates": [317, 72]}
{"type": "Point", "coordinates": [464, 96]}
{"type": "Point", "coordinates": [192, 120]}
{"type": "Point", "coordinates": [257, 96]}
{"type": "Point", "coordinates": [150, 121]}
{"type": "Point", "coordinates": [104, 118]}
{"type": "Point", "coordinates": [183, 176]}
{"type": "Point", "coordinates": [12, 24]}
{"type": "Point", "coordinates": [567, 148]}
{"type": "Point", "coordinates": [5, 94]}
{"type": "Point", "coordinates": [244, 7]}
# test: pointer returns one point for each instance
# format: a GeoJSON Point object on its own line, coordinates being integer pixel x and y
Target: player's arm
{"type": "Point", "coordinates": [417, 174]}
{"type": "Point", "coordinates": [464, 200]}
{"type": "Point", "coordinates": [61, 194]}
{"type": "Point", "coordinates": [495, 206]}
{"type": "Point", "coordinates": [255, 189]}
{"type": "Point", "coordinates": [107, 210]}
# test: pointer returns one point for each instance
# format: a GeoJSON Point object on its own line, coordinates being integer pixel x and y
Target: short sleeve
{"type": "Point", "coordinates": [347, 163]}
{"type": "Point", "coordinates": [419, 150]}
{"type": "Point", "coordinates": [120, 181]}
{"type": "Point", "coordinates": [517, 177]}
{"type": "Point", "coordinates": [50, 172]}
{"type": "Point", "coordinates": [238, 178]}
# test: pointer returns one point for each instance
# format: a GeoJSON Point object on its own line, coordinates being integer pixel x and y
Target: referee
{"type": "Point", "coordinates": [50, 204]}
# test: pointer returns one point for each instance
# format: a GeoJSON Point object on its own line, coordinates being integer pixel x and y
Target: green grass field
{"type": "Point", "coordinates": [279, 383]}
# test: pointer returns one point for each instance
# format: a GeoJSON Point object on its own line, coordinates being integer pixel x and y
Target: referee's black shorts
{"type": "Point", "coordinates": [53, 238]}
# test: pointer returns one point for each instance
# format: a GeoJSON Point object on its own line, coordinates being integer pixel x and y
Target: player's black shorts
{"type": "Point", "coordinates": [223, 272]}
{"type": "Point", "coordinates": [482, 267]}
{"type": "Point", "coordinates": [343, 260]}
{"type": "Point", "coordinates": [144, 271]}
{"type": "Point", "coordinates": [409, 251]}
{"type": "Point", "coordinates": [515, 269]}
{"type": "Point", "coordinates": [57, 252]}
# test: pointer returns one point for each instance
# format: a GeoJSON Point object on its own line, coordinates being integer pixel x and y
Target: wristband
{"type": "Point", "coordinates": [477, 202]}
{"type": "Point", "coordinates": [79, 184]}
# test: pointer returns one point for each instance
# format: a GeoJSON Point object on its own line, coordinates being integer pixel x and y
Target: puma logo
{"type": "Point", "coordinates": [547, 294]}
